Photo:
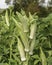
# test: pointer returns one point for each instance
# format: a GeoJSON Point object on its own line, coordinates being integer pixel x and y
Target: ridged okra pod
{"type": "Point", "coordinates": [33, 37]}
{"type": "Point", "coordinates": [33, 28]}
{"type": "Point", "coordinates": [24, 20]}
{"type": "Point", "coordinates": [21, 50]}
{"type": "Point", "coordinates": [7, 18]}
{"type": "Point", "coordinates": [31, 19]}
{"type": "Point", "coordinates": [24, 40]}
{"type": "Point", "coordinates": [22, 35]}
{"type": "Point", "coordinates": [18, 24]}
{"type": "Point", "coordinates": [32, 46]}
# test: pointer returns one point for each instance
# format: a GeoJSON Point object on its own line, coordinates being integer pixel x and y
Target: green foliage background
{"type": "Point", "coordinates": [42, 52]}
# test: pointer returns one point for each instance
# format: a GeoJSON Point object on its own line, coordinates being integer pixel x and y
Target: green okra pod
{"type": "Point", "coordinates": [24, 20]}
{"type": "Point", "coordinates": [25, 24]}
{"type": "Point", "coordinates": [33, 30]}
{"type": "Point", "coordinates": [32, 46]}
{"type": "Point", "coordinates": [22, 35]}
{"type": "Point", "coordinates": [21, 50]}
{"type": "Point", "coordinates": [23, 12]}
{"type": "Point", "coordinates": [7, 18]}
{"type": "Point", "coordinates": [18, 24]}
{"type": "Point", "coordinates": [24, 40]}
{"type": "Point", "coordinates": [31, 19]}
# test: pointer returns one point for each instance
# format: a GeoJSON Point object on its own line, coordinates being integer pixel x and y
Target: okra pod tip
{"type": "Point", "coordinates": [30, 53]}
{"type": "Point", "coordinates": [23, 59]}
{"type": "Point", "coordinates": [27, 50]}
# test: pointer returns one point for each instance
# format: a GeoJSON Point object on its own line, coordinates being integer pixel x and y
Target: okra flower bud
{"type": "Point", "coordinates": [21, 50]}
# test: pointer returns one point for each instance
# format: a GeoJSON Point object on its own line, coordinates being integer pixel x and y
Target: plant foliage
{"type": "Point", "coordinates": [25, 40]}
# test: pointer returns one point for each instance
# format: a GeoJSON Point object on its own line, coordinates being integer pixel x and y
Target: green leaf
{"type": "Point", "coordinates": [43, 57]}
{"type": "Point", "coordinates": [49, 61]}
{"type": "Point", "coordinates": [35, 62]}
{"type": "Point", "coordinates": [35, 57]}
{"type": "Point", "coordinates": [4, 64]}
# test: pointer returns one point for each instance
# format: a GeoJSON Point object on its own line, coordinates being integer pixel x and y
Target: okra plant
{"type": "Point", "coordinates": [25, 40]}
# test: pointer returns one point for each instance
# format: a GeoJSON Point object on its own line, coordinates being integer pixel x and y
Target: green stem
{"type": "Point", "coordinates": [10, 53]}
{"type": "Point", "coordinates": [12, 42]}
